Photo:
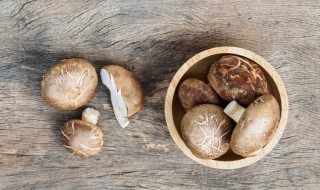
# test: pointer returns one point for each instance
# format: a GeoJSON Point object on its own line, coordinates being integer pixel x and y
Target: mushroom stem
{"type": "Point", "coordinates": [234, 110]}
{"type": "Point", "coordinates": [91, 115]}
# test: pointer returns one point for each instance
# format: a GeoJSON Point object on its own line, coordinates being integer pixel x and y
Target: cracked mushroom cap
{"type": "Point", "coordinates": [256, 126]}
{"type": "Point", "coordinates": [69, 84]}
{"type": "Point", "coordinates": [82, 138]}
{"type": "Point", "coordinates": [237, 78]}
{"type": "Point", "coordinates": [206, 130]}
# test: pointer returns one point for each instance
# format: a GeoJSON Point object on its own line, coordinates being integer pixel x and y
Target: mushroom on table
{"type": "Point", "coordinates": [69, 84]}
{"type": "Point", "coordinates": [126, 92]}
{"type": "Point", "coordinates": [81, 137]}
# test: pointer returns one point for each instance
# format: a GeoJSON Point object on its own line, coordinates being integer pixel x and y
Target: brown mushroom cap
{"type": "Point", "coordinates": [256, 126]}
{"type": "Point", "coordinates": [130, 86]}
{"type": "Point", "coordinates": [237, 78]}
{"type": "Point", "coordinates": [82, 138]}
{"type": "Point", "coordinates": [206, 131]}
{"type": "Point", "coordinates": [69, 84]}
{"type": "Point", "coordinates": [192, 92]}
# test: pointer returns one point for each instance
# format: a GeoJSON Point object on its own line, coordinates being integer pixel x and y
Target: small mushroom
{"type": "Point", "coordinates": [255, 125]}
{"type": "Point", "coordinates": [237, 78]}
{"type": "Point", "coordinates": [192, 92]}
{"type": "Point", "coordinates": [82, 138]}
{"type": "Point", "coordinates": [126, 92]}
{"type": "Point", "coordinates": [69, 84]}
{"type": "Point", "coordinates": [206, 131]}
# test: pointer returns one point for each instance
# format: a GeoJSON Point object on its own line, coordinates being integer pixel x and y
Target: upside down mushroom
{"type": "Point", "coordinates": [126, 92]}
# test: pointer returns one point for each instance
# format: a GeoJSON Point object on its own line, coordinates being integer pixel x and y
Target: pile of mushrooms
{"type": "Point", "coordinates": [208, 129]}
{"type": "Point", "coordinates": [71, 83]}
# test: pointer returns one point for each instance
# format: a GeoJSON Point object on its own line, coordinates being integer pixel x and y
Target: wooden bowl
{"type": "Point", "coordinates": [198, 67]}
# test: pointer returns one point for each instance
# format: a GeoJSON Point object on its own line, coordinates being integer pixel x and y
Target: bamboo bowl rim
{"type": "Point", "coordinates": [244, 53]}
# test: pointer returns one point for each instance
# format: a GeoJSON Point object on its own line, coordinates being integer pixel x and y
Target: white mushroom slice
{"type": "Point", "coordinates": [118, 104]}
{"type": "Point", "coordinates": [123, 121]}
{"type": "Point", "coordinates": [118, 96]}
{"type": "Point", "coordinates": [106, 80]}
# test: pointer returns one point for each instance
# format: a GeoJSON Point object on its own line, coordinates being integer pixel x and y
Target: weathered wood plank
{"type": "Point", "coordinates": [152, 38]}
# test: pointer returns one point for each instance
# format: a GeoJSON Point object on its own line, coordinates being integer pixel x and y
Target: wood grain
{"type": "Point", "coordinates": [153, 39]}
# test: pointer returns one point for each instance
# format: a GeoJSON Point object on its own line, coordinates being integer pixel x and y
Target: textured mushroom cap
{"type": "Point", "coordinates": [256, 126]}
{"type": "Point", "coordinates": [206, 130]}
{"type": "Point", "coordinates": [237, 78]}
{"type": "Point", "coordinates": [82, 138]}
{"type": "Point", "coordinates": [69, 84]}
{"type": "Point", "coordinates": [131, 89]}
{"type": "Point", "coordinates": [192, 92]}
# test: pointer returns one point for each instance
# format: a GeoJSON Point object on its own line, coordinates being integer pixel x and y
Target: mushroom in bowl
{"type": "Point", "coordinates": [255, 125]}
{"type": "Point", "coordinates": [237, 78]}
{"type": "Point", "coordinates": [198, 67]}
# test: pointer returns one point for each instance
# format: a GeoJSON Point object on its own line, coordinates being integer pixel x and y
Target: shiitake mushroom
{"type": "Point", "coordinates": [233, 78]}
{"type": "Point", "coordinates": [69, 84]}
{"type": "Point", "coordinates": [192, 92]}
{"type": "Point", "coordinates": [256, 125]}
{"type": "Point", "coordinates": [237, 78]}
{"type": "Point", "coordinates": [83, 137]}
{"type": "Point", "coordinates": [206, 130]}
{"type": "Point", "coordinates": [126, 92]}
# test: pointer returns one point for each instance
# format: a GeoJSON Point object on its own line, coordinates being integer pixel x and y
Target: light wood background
{"type": "Point", "coordinates": [151, 38]}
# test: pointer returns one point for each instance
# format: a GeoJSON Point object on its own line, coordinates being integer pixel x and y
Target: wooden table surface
{"type": "Point", "coordinates": [153, 39]}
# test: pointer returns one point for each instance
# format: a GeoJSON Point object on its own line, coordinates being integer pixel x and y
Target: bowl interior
{"type": "Point", "coordinates": [200, 70]}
